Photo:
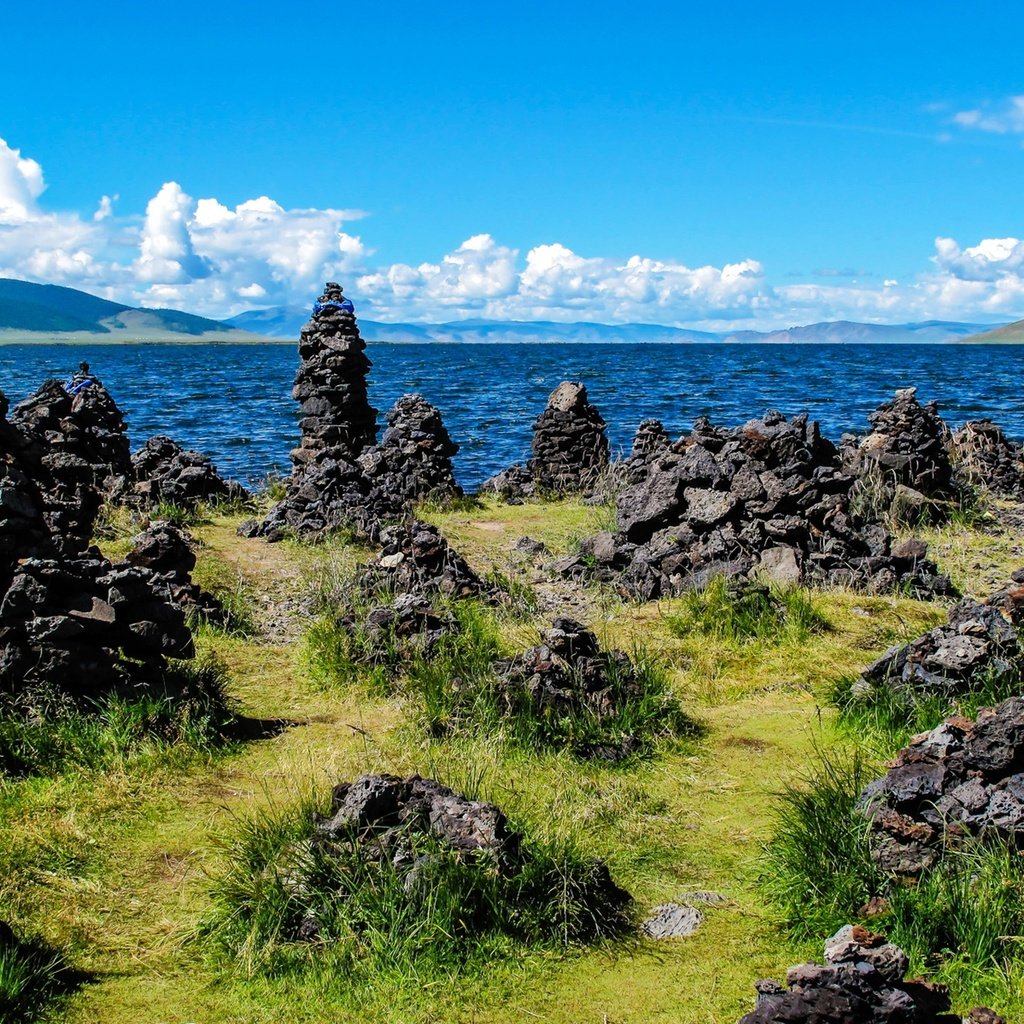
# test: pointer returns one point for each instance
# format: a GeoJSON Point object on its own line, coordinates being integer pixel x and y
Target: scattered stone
{"type": "Point", "coordinates": [987, 458]}
{"type": "Point", "coordinates": [413, 461]}
{"type": "Point", "coordinates": [979, 638]}
{"type": "Point", "coordinates": [512, 485]}
{"type": "Point", "coordinates": [528, 547]}
{"type": "Point", "coordinates": [415, 557]}
{"type": "Point", "coordinates": [862, 981]}
{"type": "Point", "coordinates": [164, 472]}
{"type": "Point", "coordinates": [672, 921]}
{"type": "Point", "coordinates": [962, 778]}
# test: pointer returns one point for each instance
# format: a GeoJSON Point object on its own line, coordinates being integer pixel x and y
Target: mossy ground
{"type": "Point", "coordinates": [115, 867]}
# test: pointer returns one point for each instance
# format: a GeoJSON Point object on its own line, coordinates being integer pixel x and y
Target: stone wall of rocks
{"type": "Point", "coordinates": [768, 497]}
{"type": "Point", "coordinates": [962, 778]}
{"type": "Point", "coordinates": [979, 639]}
{"type": "Point", "coordinates": [862, 981]}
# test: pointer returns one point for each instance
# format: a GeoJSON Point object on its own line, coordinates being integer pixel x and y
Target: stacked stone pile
{"type": "Point", "coordinates": [397, 822]}
{"type": "Point", "coordinates": [169, 554]}
{"type": "Point", "coordinates": [414, 458]}
{"type": "Point", "coordinates": [768, 497]}
{"type": "Point", "coordinates": [979, 639]}
{"type": "Point", "coordinates": [405, 626]}
{"type": "Point", "coordinates": [650, 440]}
{"type": "Point", "coordinates": [567, 674]}
{"type": "Point", "coordinates": [416, 558]}
{"type": "Point", "coordinates": [570, 450]}
{"type": "Point", "coordinates": [164, 472]}
{"type": "Point", "coordinates": [987, 458]}
{"type": "Point", "coordinates": [78, 452]}
{"type": "Point", "coordinates": [961, 779]}
{"type": "Point", "coordinates": [907, 448]}
{"type": "Point", "coordinates": [862, 981]}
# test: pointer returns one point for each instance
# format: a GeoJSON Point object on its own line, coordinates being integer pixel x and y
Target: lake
{"type": "Point", "coordinates": [234, 401]}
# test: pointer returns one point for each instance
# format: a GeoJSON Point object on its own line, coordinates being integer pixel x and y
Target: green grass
{"type": "Point", "coordinates": [747, 613]}
{"type": "Point", "coordinates": [32, 976]}
{"type": "Point", "coordinates": [187, 712]}
{"type": "Point", "coordinates": [372, 922]}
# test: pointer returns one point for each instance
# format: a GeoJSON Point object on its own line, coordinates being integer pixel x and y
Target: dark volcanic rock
{"type": "Point", "coordinates": [162, 471]}
{"type": "Point", "coordinates": [962, 778]}
{"type": "Point", "coordinates": [768, 497]}
{"type": "Point", "coordinates": [987, 458]}
{"type": "Point", "coordinates": [415, 557]}
{"type": "Point", "coordinates": [414, 458]}
{"type": "Point", "coordinates": [907, 447]}
{"type": "Point", "coordinates": [979, 639]}
{"type": "Point", "coordinates": [570, 449]}
{"type": "Point", "coordinates": [513, 485]}
{"type": "Point", "coordinates": [862, 981]}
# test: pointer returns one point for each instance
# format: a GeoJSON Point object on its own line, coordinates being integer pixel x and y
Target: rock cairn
{"type": "Point", "coordinates": [392, 633]}
{"type": "Point", "coordinates": [570, 450]}
{"type": "Point", "coordinates": [416, 558]}
{"type": "Point", "coordinates": [164, 472]}
{"type": "Point", "coordinates": [568, 675]}
{"type": "Point", "coordinates": [168, 552]}
{"type": "Point", "coordinates": [978, 640]}
{"type": "Point", "coordinates": [961, 779]}
{"type": "Point", "coordinates": [404, 823]}
{"type": "Point", "coordinates": [862, 981]}
{"type": "Point", "coordinates": [79, 453]}
{"type": "Point", "coordinates": [72, 624]}
{"type": "Point", "coordinates": [984, 455]}
{"type": "Point", "coordinates": [414, 458]}
{"type": "Point", "coordinates": [650, 439]}
{"type": "Point", "coordinates": [906, 449]}
{"type": "Point", "coordinates": [768, 497]}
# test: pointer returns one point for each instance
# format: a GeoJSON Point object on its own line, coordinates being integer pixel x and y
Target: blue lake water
{"type": "Point", "coordinates": [234, 401]}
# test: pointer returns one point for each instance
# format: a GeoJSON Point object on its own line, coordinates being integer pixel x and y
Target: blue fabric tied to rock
{"type": "Point", "coordinates": [345, 304]}
{"type": "Point", "coordinates": [76, 384]}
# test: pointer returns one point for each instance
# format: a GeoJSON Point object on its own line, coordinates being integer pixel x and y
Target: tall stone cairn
{"type": "Point", "coordinates": [330, 386]}
{"type": "Point", "coordinates": [570, 449]}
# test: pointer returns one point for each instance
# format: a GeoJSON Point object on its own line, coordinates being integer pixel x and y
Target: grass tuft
{"type": "Point", "coordinates": [31, 976]}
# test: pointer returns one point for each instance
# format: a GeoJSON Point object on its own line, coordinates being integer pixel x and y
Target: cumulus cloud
{"type": "Point", "coordinates": [209, 257]}
{"type": "Point", "coordinates": [1004, 119]}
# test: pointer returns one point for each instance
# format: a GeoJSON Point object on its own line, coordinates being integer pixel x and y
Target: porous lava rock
{"type": "Point", "coordinates": [988, 458]}
{"type": "Point", "coordinates": [961, 779]}
{"type": "Point", "coordinates": [164, 472]}
{"type": "Point", "coordinates": [389, 634]}
{"type": "Point", "coordinates": [409, 824]}
{"type": "Point", "coordinates": [169, 553]}
{"type": "Point", "coordinates": [767, 498]}
{"type": "Point", "coordinates": [415, 557]}
{"type": "Point", "coordinates": [650, 439]}
{"type": "Point", "coordinates": [862, 981]}
{"type": "Point", "coordinates": [76, 451]}
{"type": "Point", "coordinates": [68, 625]}
{"type": "Point", "coordinates": [568, 675]}
{"type": "Point", "coordinates": [513, 485]}
{"type": "Point", "coordinates": [907, 447]}
{"type": "Point", "coordinates": [414, 458]}
{"type": "Point", "coordinates": [979, 639]}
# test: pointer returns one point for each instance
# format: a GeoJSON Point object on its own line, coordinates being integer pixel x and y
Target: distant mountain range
{"type": "Point", "coordinates": [46, 312]}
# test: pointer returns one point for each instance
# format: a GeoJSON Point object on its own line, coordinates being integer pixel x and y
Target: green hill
{"type": "Point", "coordinates": [1011, 334]}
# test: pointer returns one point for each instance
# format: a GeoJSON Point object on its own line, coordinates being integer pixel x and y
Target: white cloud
{"type": "Point", "coordinates": [1007, 118]}
{"type": "Point", "coordinates": [206, 256]}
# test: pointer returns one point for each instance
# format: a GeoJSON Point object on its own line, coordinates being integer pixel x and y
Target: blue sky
{"type": "Point", "coordinates": [752, 165]}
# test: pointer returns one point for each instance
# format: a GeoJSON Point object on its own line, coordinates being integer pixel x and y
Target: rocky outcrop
{"type": "Point", "coordinates": [414, 458]}
{"type": "Point", "coordinates": [907, 448]}
{"type": "Point", "coordinates": [164, 472]}
{"type": "Point", "coordinates": [983, 454]}
{"type": "Point", "coordinates": [961, 779]}
{"type": "Point", "coordinates": [416, 558]}
{"type": "Point", "coordinates": [766, 498]}
{"type": "Point", "coordinates": [862, 981]}
{"type": "Point", "coordinates": [979, 640]}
